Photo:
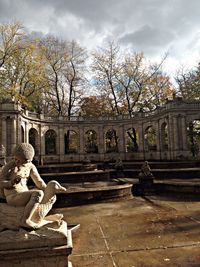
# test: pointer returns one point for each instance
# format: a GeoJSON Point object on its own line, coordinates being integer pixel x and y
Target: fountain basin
{"type": "Point", "coordinates": [86, 192]}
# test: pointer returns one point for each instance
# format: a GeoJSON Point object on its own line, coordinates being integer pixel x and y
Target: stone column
{"type": "Point", "coordinates": [184, 133]}
{"type": "Point", "coordinates": [39, 140]}
{"type": "Point", "coordinates": [120, 135]}
{"type": "Point", "coordinates": [26, 133]}
{"type": "Point", "coordinates": [61, 143]}
{"type": "Point", "coordinates": [13, 133]}
{"type": "Point", "coordinates": [170, 136]}
{"type": "Point", "coordinates": [100, 139]}
{"type": "Point", "coordinates": [42, 141]}
{"type": "Point", "coordinates": [158, 136]}
{"type": "Point", "coordinates": [175, 133]}
{"type": "Point", "coordinates": [81, 142]}
{"type": "Point", "coordinates": [140, 138]}
{"type": "Point", "coordinates": [101, 146]}
{"type": "Point", "coordinates": [158, 140]}
{"type": "Point", "coordinates": [18, 130]}
{"type": "Point", "coordinates": [121, 140]}
{"type": "Point", "coordinates": [4, 132]}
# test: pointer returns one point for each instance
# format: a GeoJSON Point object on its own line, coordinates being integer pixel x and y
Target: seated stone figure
{"type": "Point", "coordinates": [33, 204]}
{"type": "Point", "coordinates": [145, 169]}
{"type": "Point", "coordinates": [145, 175]}
{"type": "Point", "coordinates": [119, 164]}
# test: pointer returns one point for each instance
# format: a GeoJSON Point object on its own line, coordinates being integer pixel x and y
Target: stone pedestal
{"type": "Point", "coordinates": [49, 246]}
{"type": "Point", "coordinates": [146, 181]}
{"type": "Point", "coordinates": [145, 185]}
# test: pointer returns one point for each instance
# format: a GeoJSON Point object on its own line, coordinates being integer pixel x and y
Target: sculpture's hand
{"type": "Point", "coordinates": [16, 180]}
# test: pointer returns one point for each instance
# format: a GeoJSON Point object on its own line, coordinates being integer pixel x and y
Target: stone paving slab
{"type": "Point", "coordinates": [92, 260]}
{"type": "Point", "coordinates": [151, 231]}
{"type": "Point", "coordinates": [179, 257]}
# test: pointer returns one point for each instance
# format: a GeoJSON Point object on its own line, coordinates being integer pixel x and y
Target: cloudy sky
{"type": "Point", "coordinates": [152, 26]}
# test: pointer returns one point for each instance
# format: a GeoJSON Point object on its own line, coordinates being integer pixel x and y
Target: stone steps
{"type": "Point", "coordinates": [169, 186]}
{"type": "Point", "coordinates": [182, 173]}
{"type": "Point", "coordinates": [73, 167]}
{"type": "Point", "coordinates": [77, 177]}
{"type": "Point", "coordinates": [170, 178]}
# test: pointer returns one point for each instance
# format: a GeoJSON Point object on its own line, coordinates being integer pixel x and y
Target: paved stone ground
{"type": "Point", "coordinates": [140, 232]}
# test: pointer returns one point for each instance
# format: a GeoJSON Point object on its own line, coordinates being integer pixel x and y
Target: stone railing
{"type": "Point", "coordinates": [171, 105]}
{"type": "Point", "coordinates": [183, 105]}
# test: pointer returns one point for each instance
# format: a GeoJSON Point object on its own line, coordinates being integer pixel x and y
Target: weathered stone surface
{"type": "Point", "coordinates": [48, 246]}
{"type": "Point", "coordinates": [14, 216]}
{"type": "Point", "coordinates": [150, 232]}
{"type": "Point", "coordinates": [49, 235]}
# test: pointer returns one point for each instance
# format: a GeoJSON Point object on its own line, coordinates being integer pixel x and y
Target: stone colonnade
{"type": "Point", "coordinates": [167, 127]}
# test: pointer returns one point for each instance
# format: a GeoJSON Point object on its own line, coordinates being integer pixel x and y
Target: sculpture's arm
{"type": "Point", "coordinates": [37, 178]}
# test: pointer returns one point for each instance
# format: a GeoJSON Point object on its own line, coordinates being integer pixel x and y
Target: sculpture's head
{"type": "Point", "coordinates": [24, 152]}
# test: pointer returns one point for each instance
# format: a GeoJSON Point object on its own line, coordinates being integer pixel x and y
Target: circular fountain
{"type": "Point", "coordinates": [92, 192]}
{"type": "Point", "coordinates": [85, 185]}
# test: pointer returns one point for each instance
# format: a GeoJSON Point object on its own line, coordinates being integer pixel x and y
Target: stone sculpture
{"type": "Point", "coordinates": [145, 169]}
{"type": "Point", "coordinates": [145, 176]}
{"type": "Point", "coordinates": [119, 165]}
{"type": "Point", "coordinates": [26, 207]}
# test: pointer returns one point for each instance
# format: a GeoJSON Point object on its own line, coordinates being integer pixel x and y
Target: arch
{"type": "Point", "coordinates": [164, 136]}
{"type": "Point", "coordinates": [91, 142]}
{"type": "Point", "coordinates": [22, 134]}
{"type": "Point", "coordinates": [111, 141]}
{"type": "Point", "coordinates": [50, 142]}
{"type": "Point", "coordinates": [131, 140]}
{"type": "Point", "coordinates": [71, 142]}
{"type": "Point", "coordinates": [33, 139]}
{"type": "Point", "coordinates": [193, 133]}
{"type": "Point", "coordinates": [150, 139]}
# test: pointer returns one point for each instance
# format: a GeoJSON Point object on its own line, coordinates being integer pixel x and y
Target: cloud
{"type": "Point", "coordinates": [152, 26]}
{"type": "Point", "coordinates": [149, 39]}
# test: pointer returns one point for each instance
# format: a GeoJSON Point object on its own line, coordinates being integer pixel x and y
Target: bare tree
{"type": "Point", "coordinates": [10, 37]}
{"type": "Point", "coordinates": [129, 83]}
{"type": "Point", "coordinates": [55, 55]}
{"type": "Point", "coordinates": [104, 68]}
{"type": "Point", "coordinates": [64, 68]}
{"type": "Point", "coordinates": [75, 75]}
{"type": "Point", "coordinates": [189, 83]}
{"type": "Point", "coordinates": [21, 72]}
